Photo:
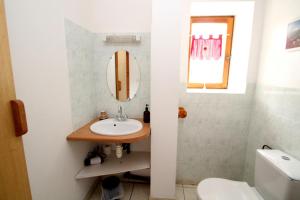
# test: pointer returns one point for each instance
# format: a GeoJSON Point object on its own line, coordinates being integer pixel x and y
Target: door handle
{"type": "Point", "coordinates": [19, 116]}
{"type": "Point", "coordinates": [182, 113]}
{"type": "Point", "coordinates": [119, 85]}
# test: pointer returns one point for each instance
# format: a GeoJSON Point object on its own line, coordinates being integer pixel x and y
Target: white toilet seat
{"type": "Point", "coordinates": [223, 189]}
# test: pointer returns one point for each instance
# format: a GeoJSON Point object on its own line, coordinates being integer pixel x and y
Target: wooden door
{"type": "Point", "coordinates": [14, 184]}
{"type": "Point", "coordinates": [122, 75]}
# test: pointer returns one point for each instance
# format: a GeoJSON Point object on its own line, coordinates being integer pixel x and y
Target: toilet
{"type": "Point", "coordinates": [277, 177]}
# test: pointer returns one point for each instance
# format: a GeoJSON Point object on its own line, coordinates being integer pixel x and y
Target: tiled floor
{"type": "Point", "coordinates": [186, 192]}
{"type": "Point", "coordinates": [139, 191]}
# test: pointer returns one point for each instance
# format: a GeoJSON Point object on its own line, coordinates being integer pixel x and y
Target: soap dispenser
{"type": "Point", "coordinates": [147, 114]}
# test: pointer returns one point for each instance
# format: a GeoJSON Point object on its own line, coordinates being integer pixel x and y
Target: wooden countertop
{"type": "Point", "coordinates": [85, 134]}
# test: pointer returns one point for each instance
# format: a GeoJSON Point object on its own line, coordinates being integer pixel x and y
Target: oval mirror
{"type": "Point", "coordinates": [123, 75]}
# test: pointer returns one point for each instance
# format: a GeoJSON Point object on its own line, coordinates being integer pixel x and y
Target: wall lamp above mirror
{"type": "Point", "coordinates": [123, 76]}
{"type": "Point", "coordinates": [122, 38]}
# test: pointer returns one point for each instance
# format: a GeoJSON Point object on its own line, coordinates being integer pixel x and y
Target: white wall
{"type": "Point", "coordinates": [37, 41]}
{"type": "Point", "coordinates": [165, 44]}
{"type": "Point", "coordinates": [276, 111]}
{"type": "Point", "coordinates": [79, 11]}
{"type": "Point", "coordinates": [279, 67]}
{"type": "Point", "coordinates": [110, 16]}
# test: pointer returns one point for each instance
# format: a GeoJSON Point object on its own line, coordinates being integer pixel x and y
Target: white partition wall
{"type": "Point", "coordinates": [165, 48]}
{"type": "Point", "coordinates": [38, 52]}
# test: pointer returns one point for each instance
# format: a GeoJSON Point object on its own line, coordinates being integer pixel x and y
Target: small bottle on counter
{"type": "Point", "coordinates": [103, 115]}
{"type": "Point", "coordinates": [147, 114]}
{"type": "Point", "coordinates": [119, 151]}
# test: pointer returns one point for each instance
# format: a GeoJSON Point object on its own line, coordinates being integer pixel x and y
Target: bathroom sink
{"type": "Point", "coordinates": [112, 127]}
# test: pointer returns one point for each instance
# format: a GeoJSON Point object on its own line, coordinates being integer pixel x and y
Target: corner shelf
{"type": "Point", "coordinates": [112, 165]}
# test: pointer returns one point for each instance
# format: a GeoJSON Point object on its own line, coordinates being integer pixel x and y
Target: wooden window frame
{"type": "Point", "coordinates": [229, 20]}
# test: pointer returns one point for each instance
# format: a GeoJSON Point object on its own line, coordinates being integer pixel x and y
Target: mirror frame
{"type": "Point", "coordinates": [139, 73]}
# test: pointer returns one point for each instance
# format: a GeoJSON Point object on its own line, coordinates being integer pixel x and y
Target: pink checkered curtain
{"type": "Point", "coordinates": [210, 48]}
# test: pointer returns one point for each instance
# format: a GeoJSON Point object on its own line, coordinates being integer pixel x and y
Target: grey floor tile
{"type": "Point", "coordinates": [97, 193]}
{"type": "Point", "coordinates": [179, 192]}
{"type": "Point", "coordinates": [190, 192]}
{"type": "Point", "coordinates": [140, 192]}
{"type": "Point", "coordinates": [127, 190]}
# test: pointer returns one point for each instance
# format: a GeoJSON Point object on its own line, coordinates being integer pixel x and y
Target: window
{"type": "Point", "coordinates": [210, 52]}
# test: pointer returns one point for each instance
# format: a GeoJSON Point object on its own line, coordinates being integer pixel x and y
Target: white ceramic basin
{"type": "Point", "coordinates": [113, 127]}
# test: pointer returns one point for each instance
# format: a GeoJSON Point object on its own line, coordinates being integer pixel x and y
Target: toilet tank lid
{"type": "Point", "coordinates": [284, 162]}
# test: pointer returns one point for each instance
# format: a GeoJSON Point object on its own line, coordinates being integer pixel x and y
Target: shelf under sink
{"type": "Point", "coordinates": [112, 165]}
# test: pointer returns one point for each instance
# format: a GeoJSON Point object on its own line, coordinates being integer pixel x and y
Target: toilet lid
{"type": "Point", "coordinates": [223, 189]}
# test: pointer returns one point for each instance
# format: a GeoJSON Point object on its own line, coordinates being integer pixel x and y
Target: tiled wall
{"type": "Point", "coordinates": [212, 139]}
{"type": "Point", "coordinates": [88, 57]}
{"type": "Point", "coordinates": [102, 55]}
{"type": "Point", "coordinates": [275, 121]}
{"type": "Point", "coordinates": [80, 54]}
{"type": "Point", "coordinates": [275, 118]}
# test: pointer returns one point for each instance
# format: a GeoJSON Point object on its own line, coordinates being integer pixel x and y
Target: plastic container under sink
{"type": "Point", "coordinates": [111, 188]}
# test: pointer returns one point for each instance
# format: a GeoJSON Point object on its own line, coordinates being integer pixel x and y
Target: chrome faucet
{"type": "Point", "coordinates": [121, 116]}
